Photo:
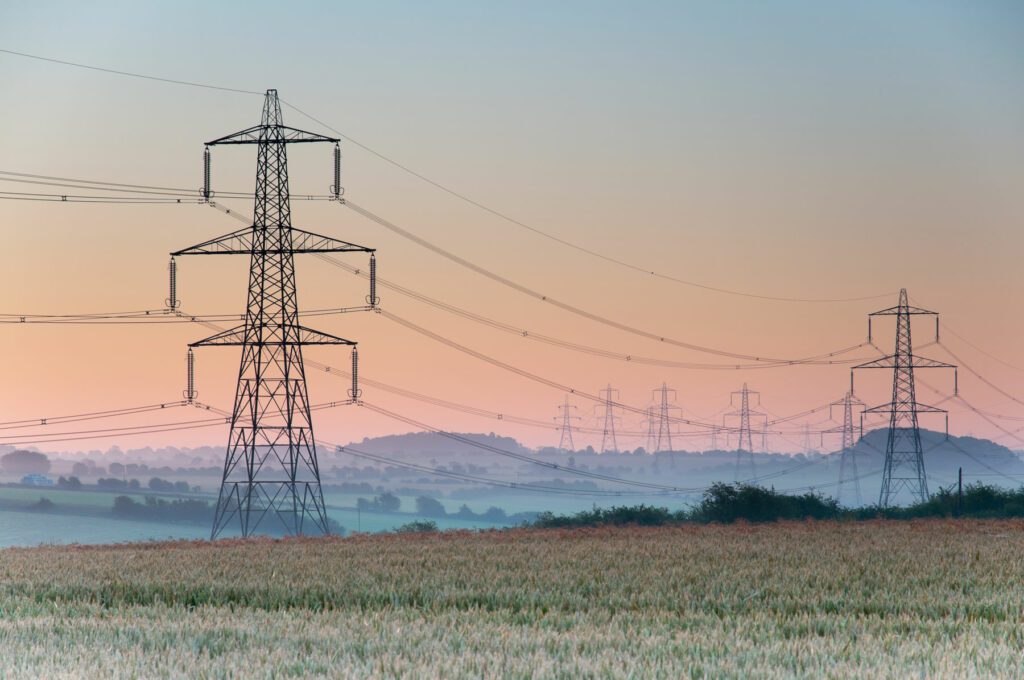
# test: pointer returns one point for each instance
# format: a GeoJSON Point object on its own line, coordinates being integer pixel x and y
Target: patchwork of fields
{"type": "Point", "coordinates": [889, 599]}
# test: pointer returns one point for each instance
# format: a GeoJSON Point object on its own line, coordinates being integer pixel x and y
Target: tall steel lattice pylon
{"type": "Point", "coordinates": [745, 445]}
{"type": "Point", "coordinates": [271, 476]}
{"type": "Point", "coordinates": [608, 433]}
{"type": "Point", "coordinates": [566, 419]}
{"type": "Point", "coordinates": [904, 456]}
{"type": "Point", "coordinates": [848, 476]}
{"type": "Point", "coordinates": [664, 407]}
{"type": "Point", "coordinates": [652, 430]}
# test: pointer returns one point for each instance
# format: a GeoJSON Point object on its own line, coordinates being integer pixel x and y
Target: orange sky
{"type": "Point", "coordinates": [757, 157]}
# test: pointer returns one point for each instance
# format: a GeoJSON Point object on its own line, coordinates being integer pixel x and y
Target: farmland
{"type": "Point", "coordinates": [932, 598]}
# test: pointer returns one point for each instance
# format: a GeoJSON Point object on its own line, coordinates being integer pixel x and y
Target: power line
{"type": "Point", "coordinates": [759, 362]}
{"type": "Point", "coordinates": [519, 456]}
{"type": "Point", "coordinates": [538, 378]}
{"type": "Point", "coordinates": [979, 349]}
{"type": "Point", "coordinates": [518, 486]}
{"type": "Point", "coordinates": [128, 73]}
{"type": "Point", "coordinates": [51, 180]}
{"type": "Point", "coordinates": [61, 198]}
{"type": "Point", "coordinates": [529, 292]}
{"type": "Point", "coordinates": [578, 347]}
{"type": "Point", "coordinates": [980, 377]}
{"type": "Point", "coordinates": [80, 417]}
{"type": "Point", "coordinates": [454, 193]}
{"type": "Point", "coordinates": [570, 244]}
{"type": "Point", "coordinates": [555, 466]}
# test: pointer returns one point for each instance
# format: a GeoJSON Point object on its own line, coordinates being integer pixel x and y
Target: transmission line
{"type": "Point", "coordinates": [448, 190]}
{"type": "Point", "coordinates": [570, 244]}
{"type": "Point", "coordinates": [518, 486]}
{"type": "Point", "coordinates": [529, 292]}
{"type": "Point", "coordinates": [555, 466]}
{"type": "Point", "coordinates": [581, 348]}
{"type": "Point", "coordinates": [80, 417]}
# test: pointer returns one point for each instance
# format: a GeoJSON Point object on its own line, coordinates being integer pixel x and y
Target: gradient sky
{"type": "Point", "coordinates": [798, 149]}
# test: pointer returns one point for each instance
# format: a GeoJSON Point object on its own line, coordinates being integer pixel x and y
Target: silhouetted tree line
{"type": "Point", "coordinates": [727, 503]}
{"type": "Point", "coordinates": [159, 509]}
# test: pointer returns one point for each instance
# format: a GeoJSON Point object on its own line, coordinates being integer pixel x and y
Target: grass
{"type": "Point", "coordinates": [820, 599]}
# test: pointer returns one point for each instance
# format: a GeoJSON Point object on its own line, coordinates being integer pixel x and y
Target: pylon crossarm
{"type": "Point", "coordinates": [295, 334]}
{"type": "Point", "coordinates": [237, 242]}
{"type": "Point", "coordinates": [277, 133]}
{"type": "Point", "coordinates": [241, 243]}
{"type": "Point", "coordinates": [308, 242]}
{"type": "Point", "coordinates": [895, 311]}
{"type": "Point", "coordinates": [920, 408]}
{"type": "Point", "coordinates": [915, 361]}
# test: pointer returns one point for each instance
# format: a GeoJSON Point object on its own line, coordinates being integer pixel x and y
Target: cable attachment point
{"type": "Point", "coordinates": [372, 298]}
{"type": "Point", "coordinates": [172, 301]}
{"type": "Point", "coordinates": [190, 393]}
{"type": "Point", "coordinates": [206, 193]}
{"type": "Point", "coordinates": [336, 189]}
{"type": "Point", "coordinates": [355, 393]}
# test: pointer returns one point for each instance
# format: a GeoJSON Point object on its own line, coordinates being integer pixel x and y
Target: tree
{"type": "Point", "coordinates": [80, 469]}
{"type": "Point", "coordinates": [73, 483]}
{"type": "Point", "coordinates": [417, 527]}
{"type": "Point", "coordinates": [124, 506]}
{"type": "Point", "coordinates": [465, 512]}
{"type": "Point", "coordinates": [25, 463]}
{"type": "Point", "coordinates": [389, 502]}
{"type": "Point", "coordinates": [495, 514]}
{"type": "Point", "coordinates": [111, 483]}
{"type": "Point", "coordinates": [430, 507]}
{"type": "Point", "coordinates": [157, 484]}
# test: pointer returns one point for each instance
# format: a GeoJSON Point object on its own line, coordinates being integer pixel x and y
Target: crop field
{"type": "Point", "coordinates": [875, 599]}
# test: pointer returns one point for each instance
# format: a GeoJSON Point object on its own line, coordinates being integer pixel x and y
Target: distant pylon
{"type": "Point", "coordinates": [608, 434]}
{"type": "Point", "coordinates": [652, 431]}
{"type": "Point", "coordinates": [904, 456]}
{"type": "Point", "coordinates": [664, 408]}
{"type": "Point", "coordinates": [566, 419]}
{"type": "Point", "coordinates": [745, 445]}
{"type": "Point", "coordinates": [848, 455]}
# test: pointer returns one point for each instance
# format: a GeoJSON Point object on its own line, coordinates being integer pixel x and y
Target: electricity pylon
{"type": "Point", "coordinates": [567, 417]}
{"type": "Point", "coordinates": [608, 432]}
{"type": "Point", "coordinates": [664, 408]}
{"type": "Point", "coordinates": [904, 457]}
{"type": "Point", "coordinates": [270, 468]}
{"type": "Point", "coordinates": [652, 431]}
{"type": "Point", "coordinates": [847, 456]}
{"type": "Point", "coordinates": [745, 446]}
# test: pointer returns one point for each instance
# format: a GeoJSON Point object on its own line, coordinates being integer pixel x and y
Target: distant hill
{"type": "Point", "coordinates": [430, 443]}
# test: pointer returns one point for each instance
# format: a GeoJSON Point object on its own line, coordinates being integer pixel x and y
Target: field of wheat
{"type": "Point", "coordinates": [927, 599]}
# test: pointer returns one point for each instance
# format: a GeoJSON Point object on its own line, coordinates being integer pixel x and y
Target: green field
{"type": "Point", "coordinates": [86, 517]}
{"type": "Point", "coordinates": [873, 599]}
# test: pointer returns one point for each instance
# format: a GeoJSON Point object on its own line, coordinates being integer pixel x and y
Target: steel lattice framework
{"type": "Point", "coordinates": [848, 454]}
{"type": "Point", "coordinates": [665, 409]}
{"type": "Point", "coordinates": [565, 443]}
{"type": "Point", "coordinates": [271, 474]}
{"type": "Point", "coordinates": [904, 455]}
{"type": "Point", "coordinates": [608, 433]}
{"type": "Point", "coordinates": [745, 445]}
